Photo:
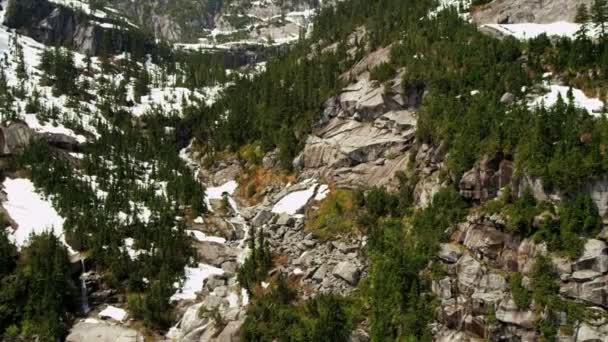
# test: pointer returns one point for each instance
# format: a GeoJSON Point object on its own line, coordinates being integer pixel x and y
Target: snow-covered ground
{"type": "Point", "coordinates": [195, 278]}
{"type": "Point", "coordinates": [291, 203]}
{"type": "Point", "coordinates": [202, 237]}
{"type": "Point", "coordinates": [593, 105]}
{"type": "Point", "coordinates": [532, 30]}
{"type": "Point", "coordinates": [32, 213]}
{"type": "Point", "coordinates": [462, 6]}
{"type": "Point", "coordinates": [172, 99]}
{"type": "Point", "coordinates": [114, 313]}
{"type": "Point", "coordinates": [216, 193]}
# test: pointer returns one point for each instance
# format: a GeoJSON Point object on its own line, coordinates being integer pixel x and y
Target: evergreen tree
{"type": "Point", "coordinates": [142, 84]}
{"type": "Point", "coordinates": [599, 13]}
{"type": "Point", "coordinates": [582, 17]}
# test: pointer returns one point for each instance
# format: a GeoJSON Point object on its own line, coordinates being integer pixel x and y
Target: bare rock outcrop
{"type": "Point", "coordinates": [14, 137]}
{"type": "Point", "coordinates": [483, 181]}
{"type": "Point", "coordinates": [363, 137]}
{"type": "Point", "coordinates": [475, 294]}
{"type": "Point", "coordinates": [524, 11]}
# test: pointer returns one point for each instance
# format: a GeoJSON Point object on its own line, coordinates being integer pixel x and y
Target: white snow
{"type": "Point", "coordinates": [128, 247]}
{"type": "Point", "coordinates": [532, 30]}
{"type": "Point", "coordinates": [114, 313]}
{"type": "Point", "coordinates": [293, 202]}
{"type": "Point", "coordinates": [194, 281]}
{"type": "Point", "coordinates": [297, 271]}
{"type": "Point", "coordinates": [233, 300]}
{"type": "Point", "coordinates": [461, 5]}
{"type": "Point", "coordinates": [171, 99]}
{"type": "Point", "coordinates": [218, 192]}
{"type": "Point", "coordinates": [31, 212]}
{"type": "Point", "coordinates": [592, 105]}
{"type": "Point", "coordinates": [202, 237]}
{"type": "Point", "coordinates": [322, 192]}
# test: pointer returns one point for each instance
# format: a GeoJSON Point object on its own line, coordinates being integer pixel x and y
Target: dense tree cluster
{"type": "Point", "coordinates": [36, 289]}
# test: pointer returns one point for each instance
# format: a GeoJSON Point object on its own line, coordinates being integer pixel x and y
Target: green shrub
{"type": "Point", "coordinates": [521, 295]}
{"type": "Point", "coordinates": [335, 216]}
{"type": "Point", "coordinates": [382, 72]}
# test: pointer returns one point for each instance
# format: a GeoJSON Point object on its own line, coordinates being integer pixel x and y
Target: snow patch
{"type": "Point", "coordinates": [32, 213]}
{"type": "Point", "coordinates": [532, 30]}
{"type": "Point", "coordinates": [291, 203]}
{"type": "Point", "coordinates": [592, 105]}
{"type": "Point", "coordinates": [194, 281]}
{"type": "Point", "coordinates": [114, 313]}
{"type": "Point", "coordinates": [202, 237]}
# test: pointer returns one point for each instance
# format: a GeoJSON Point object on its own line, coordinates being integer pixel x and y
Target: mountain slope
{"type": "Point", "coordinates": [393, 174]}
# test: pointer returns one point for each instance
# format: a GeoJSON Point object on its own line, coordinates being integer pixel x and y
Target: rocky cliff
{"type": "Point", "coordinates": [527, 11]}
{"type": "Point", "coordinates": [75, 25]}
{"type": "Point", "coordinates": [189, 20]}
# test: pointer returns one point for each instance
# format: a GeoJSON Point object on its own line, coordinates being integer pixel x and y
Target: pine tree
{"type": "Point", "coordinates": [142, 85]}
{"type": "Point", "coordinates": [599, 13]}
{"type": "Point", "coordinates": [582, 17]}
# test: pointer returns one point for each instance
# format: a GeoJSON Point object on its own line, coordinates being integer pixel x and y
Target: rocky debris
{"type": "Point", "coordinates": [321, 267]}
{"type": "Point", "coordinates": [61, 141]}
{"type": "Point", "coordinates": [483, 181]}
{"type": "Point", "coordinates": [479, 261]}
{"type": "Point", "coordinates": [261, 218]}
{"type": "Point", "coordinates": [215, 254]}
{"type": "Point", "coordinates": [347, 271]}
{"type": "Point", "coordinates": [99, 331]}
{"type": "Point", "coordinates": [525, 11]}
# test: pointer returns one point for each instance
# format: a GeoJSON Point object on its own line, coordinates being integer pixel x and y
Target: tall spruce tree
{"type": "Point", "coordinates": [599, 13]}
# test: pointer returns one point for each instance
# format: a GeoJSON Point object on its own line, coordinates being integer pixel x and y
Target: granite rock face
{"type": "Point", "coordinates": [527, 11]}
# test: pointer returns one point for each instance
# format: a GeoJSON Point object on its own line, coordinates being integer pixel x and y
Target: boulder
{"type": "Point", "coordinates": [191, 320]}
{"type": "Point", "coordinates": [61, 141]}
{"type": "Point", "coordinates": [589, 333]}
{"type": "Point", "coordinates": [585, 275]}
{"type": "Point", "coordinates": [449, 252]}
{"type": "Point", "coordinates": [594, 291]}
{"type": "Point", "coordinates": [468, 272]}
{"type": "Point", "coordinates": [103, 332]}
{"type": "Point", "coordinates": [507, 98]}
{"type": "Point", "coordinates": [231, 332]}
{"type": "Point", "coordinates": [320, 273]}
{"type": "Point", "coordinates": [261, 218]}
{"type": "Point", "coordinates": [215, 254]}
{"type": "Point", "coordinates": [348, 272]}
{"type": "Point", "coordinates": [509, 313]}
{"type": "Point", "coordinates": [285, 220]}
{"type": "Point", "coordinates": [483, 181]}
{"type": "Point", "coordinates": [14, 137]}
{"type": "Point", "coordinates": [595, 257]}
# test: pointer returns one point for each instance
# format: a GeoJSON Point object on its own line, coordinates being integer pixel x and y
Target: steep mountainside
{"type": "Point", "coordinates": [388, 170]}
{"type": "Point", "coordinates": [220, 21]}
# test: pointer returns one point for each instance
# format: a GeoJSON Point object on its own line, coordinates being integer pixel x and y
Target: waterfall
{"type": "Point", "coordinates": [83, 291]}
